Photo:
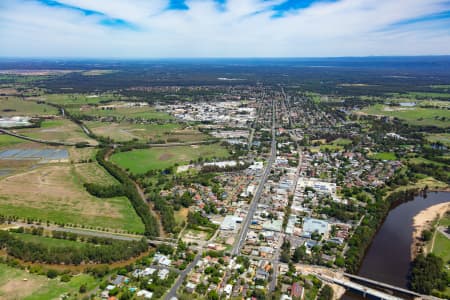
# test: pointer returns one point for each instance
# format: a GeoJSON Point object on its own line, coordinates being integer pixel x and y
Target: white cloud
{"type": "Point", "coordinates": [243, 28]}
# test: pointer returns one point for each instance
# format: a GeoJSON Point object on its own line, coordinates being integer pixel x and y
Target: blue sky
{"type": "Point", "coordinates": [223, 28]}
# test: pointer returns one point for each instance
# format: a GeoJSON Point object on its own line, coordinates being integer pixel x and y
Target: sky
{"type": "Point", "coordinates": [223, 28]}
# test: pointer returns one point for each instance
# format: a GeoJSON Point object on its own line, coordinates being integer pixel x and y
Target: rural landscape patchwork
{"type": "Point", "coordinates": [224, 149]}
{"type": "Point", "coordinates": [124, 182]}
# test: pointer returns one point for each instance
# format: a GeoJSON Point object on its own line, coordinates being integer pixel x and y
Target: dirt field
{"type": "Point", "coordinates": [62, 130]}
{"type": "Point", "coordinates": [55, 193]}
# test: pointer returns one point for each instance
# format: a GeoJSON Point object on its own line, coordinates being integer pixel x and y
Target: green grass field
{"type": "Point", "coordinates": [48, 241]}
{"type": "Point", "coordinates": [7, 140]}
{"type": "Point", "coordinates": [414, 116]}
{"type": "Point", "coordinates": [79, 99]}
{"type": "Point", "coordinates": [53, 123]}
{"type": "Point", "coordinates": [426, 95]}
{"type": "Point", "coordinates": [142, 160]}
{"type": "Point", "coordinates": [384, 156]}
{"type": "Point", "coordinates": [19, 284]}
{"type": "Point", "coordinates": [20, 107]}
{"type": "Point", "coordinates": [442, 246]}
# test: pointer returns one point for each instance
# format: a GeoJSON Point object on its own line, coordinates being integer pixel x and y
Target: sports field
{"type": "Point", "coordinates": [142, 160]}
{"type": "Point", "coordinates": [384, 156]}
{"type": "Point", "coordinates": [55, 193]}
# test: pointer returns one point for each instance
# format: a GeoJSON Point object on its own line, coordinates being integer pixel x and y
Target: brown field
{"type": "Point", "coordinates": [55, 193]}
{"type": "Point", "coordinates": [19, 288]}
{"type": "Point", "coordinates": [93, 173]}
{"type": "Point", "coordinates": [154, 132]}
{"type": "Point", "coordinates": [78, 155]}
{"type": "Point", "coordinates": [62, 130]}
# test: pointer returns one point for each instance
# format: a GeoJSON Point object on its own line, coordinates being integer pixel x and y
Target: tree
{"type": "Point", "coordinates": [299, 254]}
{"type": "Point", "coordinates": [212, 295]}
{"type": "Point", "coordinates": [326, 293]}
{"type": "Point", "coordinates": [52, 273]}
{"type": "Point", "coordinates": [426, 235]}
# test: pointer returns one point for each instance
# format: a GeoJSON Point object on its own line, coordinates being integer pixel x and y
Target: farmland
{"type": "Point", "coordinates": [62, 130]}
{"type": "Point", "coordinates": [413, 116]}
{"type": "Point", "coordinates": [19, 284]}
{"type": "Point", "coordinates": [79, 99]}
{"type": "Point", "coordinates": [122, 132]}
{"type": "Point", "coordinates": [142, 160]}
{"type": "Point", "coordinates": [17, 107]}
{"type": "Point", "coordinates": [123, 111]}
{"type": "Point", "coordinates": [56, 194]}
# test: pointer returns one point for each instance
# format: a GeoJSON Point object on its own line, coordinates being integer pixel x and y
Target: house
{"type": "Point", "coordinates": [163, 274]}
{"type": "Point", "coordinates": [228, 289]}
{"type": "Point", "coordinates": [120, 279]}
{"type": "Point", "coordinates": [261, 274]}
{"type": "Point", "coordinates": [190, 287]}
{"type": "Point", "coordinates": [162, 260]}
{"type": "Point", "coordinates": [144, 294]}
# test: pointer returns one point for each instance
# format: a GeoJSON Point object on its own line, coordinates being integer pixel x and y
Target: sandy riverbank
{"type": "Point", "coordinates": [424, 220]}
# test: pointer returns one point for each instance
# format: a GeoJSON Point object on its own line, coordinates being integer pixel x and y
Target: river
{"type": "Point", "coordinates": [388, 257]}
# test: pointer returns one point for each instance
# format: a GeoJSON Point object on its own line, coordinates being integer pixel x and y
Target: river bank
{"type": "Point", "coordinates": [422, 221]}
{"type": "Point", "coordinates": [388, 257]}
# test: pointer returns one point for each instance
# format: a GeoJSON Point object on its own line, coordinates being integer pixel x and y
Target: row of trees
{"type": "Point", "coordinates": [114, 251]}
{"type": "Point", "coordinates": [130, 190]}
{"type": "Point", "coordinates": [104, 191]}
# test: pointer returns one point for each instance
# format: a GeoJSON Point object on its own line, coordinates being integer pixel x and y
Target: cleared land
{"type": "Point", "coordinates": [19, 284]}
{"type": "Point", "coordinates": [79, 99]}
{"type": "Point", "coordinates": [55, 193]}
{"type": "Point", "coordinates": [142, 160]}
{"type": "Point", "coordinates": [61, 130]}
{"type": "Point", "coordinates": [414, 116]}
{"type": "Point", "coordinates": [121, 112]}
{"type": "Point", "coordinates": [122, 132]}
{"type": "Point", "coordinates": [18, 107]}
{"type": "Point", "coordinates": [93, 173]}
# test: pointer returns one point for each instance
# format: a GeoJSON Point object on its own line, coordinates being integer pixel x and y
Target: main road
{"type": "Point", "coordinates": [253, 205]}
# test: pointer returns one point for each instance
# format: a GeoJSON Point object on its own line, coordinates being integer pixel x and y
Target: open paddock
{"type": "Point", "coordinates": [55, 193]}
{"type": "Point", "coordinates": [413, 115]}
{"type": "Point", "coordinates": [20, 284]}
{"type": "Point", "coordinates": [12, 106]}
{"type": "Point", "coordinates": [124, 131]}
{"type": "Point", "coordinates": [61, 130]}
{"type": "Point", "coordinates": [123, 111]}
{"type": "Point", "coordinates": [139, 161]}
